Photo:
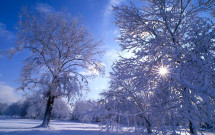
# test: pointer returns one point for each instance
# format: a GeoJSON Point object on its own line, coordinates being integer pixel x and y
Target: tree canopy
{"type": "Point", "coordinates": [175, 36]}
{"type": "Point", "coordinates": [59, 48]}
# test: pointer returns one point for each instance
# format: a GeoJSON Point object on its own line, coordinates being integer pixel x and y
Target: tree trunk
{"type": "Point", "coordinates": [191, 128]}
{"type": "Point", "coordinates": [148, 125]}
{"type": "Point", "coordinates": [47, 116]}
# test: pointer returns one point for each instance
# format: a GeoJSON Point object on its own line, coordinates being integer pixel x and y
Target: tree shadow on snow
{"type": "Point", "coordinates": [56, 132]}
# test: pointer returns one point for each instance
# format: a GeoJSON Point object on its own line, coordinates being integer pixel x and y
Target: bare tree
{"type": "Point", "coordinates": [59, 49]}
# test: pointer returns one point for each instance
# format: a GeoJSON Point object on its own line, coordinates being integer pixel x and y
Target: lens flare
{"type": "Point", "coordinates": [163, 71]}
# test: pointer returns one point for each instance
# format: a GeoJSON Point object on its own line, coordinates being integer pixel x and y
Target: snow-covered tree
{"type": "Point", "coordinates": [171, 71]}
{"type": "Point", "coordinates": [59, 49]}
{"type": "Point", "coordinates": [125, 102]}
{"type": "Point", "coordinates": [36, 107]}
{"type": "Point", "coordinates": [85, 111]}
{"type": "Point", "coordinates": [61, 110]}
{"type": "Point", "coordinates": [3, 108]}
{"type": "Point", "coordinates": [18, 109]}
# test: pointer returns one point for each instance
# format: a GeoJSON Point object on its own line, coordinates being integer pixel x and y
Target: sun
{"type": "Point", "coordinates": [163, 71]}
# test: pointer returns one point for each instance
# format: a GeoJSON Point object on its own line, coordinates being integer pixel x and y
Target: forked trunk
{"type": "Point", "coordinates": [47, 116]}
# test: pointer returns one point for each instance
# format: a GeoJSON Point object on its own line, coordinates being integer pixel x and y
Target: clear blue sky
{"type": "Point", "coordinates": [96, 15]}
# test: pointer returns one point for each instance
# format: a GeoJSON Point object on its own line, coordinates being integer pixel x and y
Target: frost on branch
{"type": "Point", "coordinates": [59, 48]}
{"type": "Point", "coordinates": [179, 35]}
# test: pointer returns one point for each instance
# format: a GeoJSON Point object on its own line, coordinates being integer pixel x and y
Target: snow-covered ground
{"type": "Point", "coordinates": [26, 127]}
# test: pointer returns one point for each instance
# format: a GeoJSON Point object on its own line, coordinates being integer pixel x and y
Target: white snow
{"type": "Point", "coordinates": [26, 127]}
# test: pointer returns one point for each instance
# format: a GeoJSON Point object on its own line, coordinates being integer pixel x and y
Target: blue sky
{"type": "Point", "coordinates": [95, 14]}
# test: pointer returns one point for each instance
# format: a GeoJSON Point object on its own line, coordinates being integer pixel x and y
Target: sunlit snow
{"type": "Point", "coordinates": [26, 127]}
{"type": "Point", "coordinates": [57, 127]}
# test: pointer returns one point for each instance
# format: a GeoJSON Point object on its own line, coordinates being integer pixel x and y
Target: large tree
{"type": "Point", "coordinates": [172, 68]}
{"type": "Point", "coordinates": [59, 49]}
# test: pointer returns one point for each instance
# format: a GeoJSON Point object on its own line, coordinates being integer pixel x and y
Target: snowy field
{"type": "Point", "coordinates": [26, 127]}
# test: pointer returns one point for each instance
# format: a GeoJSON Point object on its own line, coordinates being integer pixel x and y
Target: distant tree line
{"type": "Point", "coordinates": [34, 108]}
